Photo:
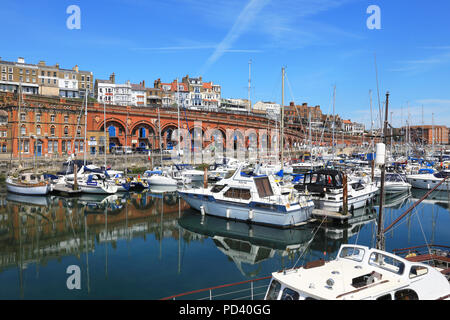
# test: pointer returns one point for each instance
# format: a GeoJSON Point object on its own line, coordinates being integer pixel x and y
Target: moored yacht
{"type": "Point", "coordinates": [95, 183]}
{"type": "Point", "coordinates": [430, 180]}
{"type": "Point", "coordinates": [395, 183]}
{"type": "Point", "coordinates": [28, 183]}
{"type": "Point", "coordinates": [255, 199]}
{"type": "Point", "coordinates": [326, 188]}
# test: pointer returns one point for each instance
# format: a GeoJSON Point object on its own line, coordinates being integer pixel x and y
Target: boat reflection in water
{"type": "Point", "coordinates": [440, 198]}
{"type": "Point", "coordinates": [39, 231]}
{"type": "Point", "coordinates": [247, 244]}
{"type": "Point", "coordinates": [359, 219]}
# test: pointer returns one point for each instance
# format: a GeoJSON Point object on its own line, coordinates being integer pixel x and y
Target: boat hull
{"type": "Point", "coordinates": [249, 212]}
{"type": "Point", "coordinates": [27, 190]}
{"type": "Point", "coordinates": [356, 202]}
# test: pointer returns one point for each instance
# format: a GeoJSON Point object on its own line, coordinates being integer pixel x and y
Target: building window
{"type": "Point", "coordinates": [52, 118]}
{"type": "Point", "coordinates": [21, 71]}
{"type": "Point", "coordinates": [38, 130]}
{"type": "Point", "coordinates": [26, 146]}
{"type": "Point", "coordinates": [55, 146]}
{"type": "Point", "coordinates": [66, 130]}
{"type": "Point", "coordinates": [22, 117]}
{"type": "Point", "coordinates": [52, 130]}
{"type": "Point", "coordinates": [38, 117]}
{"type": "Point", "coordinates": [23, 130]}
{"type": "Point", "coordinates": [82, 78]}
{"type": "Point", "coordinates": [10, 70]}
{"type": "Point", "coordinates": [66, 118]}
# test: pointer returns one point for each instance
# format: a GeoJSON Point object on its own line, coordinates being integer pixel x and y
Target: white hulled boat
{"type": "Point", "coordinates": [28, 183]}
{"type": "Point", "coordinates": [429, 180]}
{"type": "Point", "coordinates": [95, 183]}
{"type": "Point", "coordinates": [255, 199]}
{"type": "Point", "coordinates": [360, 273]}
{"type": "Point", "coordinates": [159, 178]}
{"type": "Point", "coordinates": [395, 183]}
{"type": "Point", "coordinates": [326, 188]}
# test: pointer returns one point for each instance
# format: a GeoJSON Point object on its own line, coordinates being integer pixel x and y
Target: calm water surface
{"type": "Point", "coordinates": [152, 245]}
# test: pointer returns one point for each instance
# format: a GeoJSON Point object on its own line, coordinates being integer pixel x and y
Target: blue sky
{"type": "Point", "coordinates": [322, 43]}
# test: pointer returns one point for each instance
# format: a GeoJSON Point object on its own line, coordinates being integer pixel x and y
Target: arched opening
{"type": "Point", "coordinates": [143, 135]}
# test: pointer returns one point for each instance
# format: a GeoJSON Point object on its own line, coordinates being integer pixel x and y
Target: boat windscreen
{"type": "Point", "coordinates": [263, 187]}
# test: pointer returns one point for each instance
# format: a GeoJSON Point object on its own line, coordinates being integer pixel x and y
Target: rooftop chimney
{"type": "Point", "coordinates": [292, 104]}
{"type": "Point", "coordinates": [42, 63]}
{"type": "Point", "coordinates": [75, 68]}
{"type": "Point", "coordinates": [57, 66]}
{"type": "Point", "coordinates": [112, 77]}
{"type": "Point", "coordinates": [21, 60]}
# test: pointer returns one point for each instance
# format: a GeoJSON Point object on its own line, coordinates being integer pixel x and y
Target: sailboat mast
{"type": "Point", "coordinates": [104, 130]}
{"type": "Point", "coordinates": [20, 124]}
{"type": "Point", "coordinates": [380, 233]}
{"type": "Point", "coordinates": [282, 118]}
{"type": "Point", "coordinates": [85, 129]}
{"type": "Point", "coordinates": [334, 101]}
{"type": "Point", "coordinates": [178, 117]}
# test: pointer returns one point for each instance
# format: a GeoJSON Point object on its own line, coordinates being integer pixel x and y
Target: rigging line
{"type": "Point", "coordinates": [309, 242]}
{"type": "Point", "coordinates": [293, 98]}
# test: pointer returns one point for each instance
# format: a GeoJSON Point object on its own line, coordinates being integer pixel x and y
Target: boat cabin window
{"type": "Point", "coordinates": [263, 187]}
{"type": "Point", "coordinates": [217, 188]}
{"type": "Point", "coordinates": [385, 297]}
{"type": "Point", "coordinates": [274, 290]}
{"type": "Point", "coordinates": [352, 253]}
{"type": "Point", "coordinates": [417, 271]}
{"type": "Point", "coordinates": [386, 262]}
{"type": "Point", "coordinates": [406, 294]}
{"type": "Point", "coordinates": [237, 193]}
{"type": "Point", "coordinates": [289, 294]}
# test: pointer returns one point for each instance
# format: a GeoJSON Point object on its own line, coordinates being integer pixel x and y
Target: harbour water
{"type": "Point", "coordinates": [152, 245]}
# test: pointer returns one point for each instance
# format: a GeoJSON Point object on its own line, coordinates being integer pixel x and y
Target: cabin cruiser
{"type": "Point", "coordinates": [395, 183]}
{"type": "Point", "coordinates": [326, 188]}
{"type": "Point", "coordinates": [159, 178]}
{"type": "Point", "coordinates": [429, 180]}
{"type": "Point", "coordinates": [255, 199]}
{"type": "Point", "coordinates": [185, 173]}
{"type": "Point", "coordinates": [95, 183]}
{"type": "Point", "coordinates": [28, 183]}
{"type": "Point", "coordinates": [360, 273]}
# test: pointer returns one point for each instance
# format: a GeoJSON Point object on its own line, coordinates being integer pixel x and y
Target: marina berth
{"type": "Point", "coordinates": [254, 199]}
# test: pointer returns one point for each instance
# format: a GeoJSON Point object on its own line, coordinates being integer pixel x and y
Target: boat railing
{"type": "Point", "coordinates": [254, 289]}
{"type": "Point", "coordinates": [423, 249]}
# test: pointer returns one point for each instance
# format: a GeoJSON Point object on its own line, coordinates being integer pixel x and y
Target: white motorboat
{"type": "Point", "coordinates": [360, 273]}
{"type": "Point", "coordinates": [159, 178]}
{"type": "Point", "coordinates": [395, 183]}
{"type": "Point", "coordinates": [255, 199]}
{"type": "Point", "coordinates": [28, 183]}
{"type": "Point", "coordinates": [326, 188]}
{"type": "Point", "coordinates": [95, 183]}
{"type": "Point", "coordinates": [186, 173]}
{"type": "Point", "coordinates": [429, 180]}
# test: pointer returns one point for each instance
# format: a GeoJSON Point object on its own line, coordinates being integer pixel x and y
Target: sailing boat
{"type": "Point", "coordinates": [21, 182]}
{"type": "Point", "coordinates": [359, 272]}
